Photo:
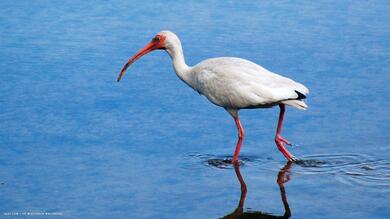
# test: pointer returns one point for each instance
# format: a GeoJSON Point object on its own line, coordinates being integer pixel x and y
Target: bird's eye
{"type": "Point", "coordinates": [156, 39]}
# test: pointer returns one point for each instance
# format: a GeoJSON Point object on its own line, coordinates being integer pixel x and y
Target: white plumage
{"type": "Point", "coordinates": [232, 83]}
{"type": "Point", "coordinates": [236, 83]}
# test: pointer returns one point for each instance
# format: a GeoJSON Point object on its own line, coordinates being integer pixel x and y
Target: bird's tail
{"type": "Point", "coordinates": [296, 103]}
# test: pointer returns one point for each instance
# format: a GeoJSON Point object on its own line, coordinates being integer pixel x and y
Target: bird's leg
{"type": "Point", "coordinates": [279, 140]}
{"type": "Point", "coordinates": [240, 138]}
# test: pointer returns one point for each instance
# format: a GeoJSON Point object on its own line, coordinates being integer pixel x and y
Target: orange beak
{"type": "Point", "coordinates": [153, 45]}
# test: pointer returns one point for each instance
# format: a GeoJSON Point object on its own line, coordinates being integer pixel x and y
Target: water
{"type": "Point", "coordinates": [76, 144]}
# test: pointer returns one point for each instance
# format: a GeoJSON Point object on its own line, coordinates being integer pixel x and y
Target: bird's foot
{"type": "Point", "coordinates": [280, 138]}
{"type": "Point", "coordinates": [294, 159]}
{"type": "Point", "coordinates": [280, 141]}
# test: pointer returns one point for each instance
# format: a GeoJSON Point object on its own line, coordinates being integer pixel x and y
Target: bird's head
{"type": "Point", "coordinates": [165, 40]}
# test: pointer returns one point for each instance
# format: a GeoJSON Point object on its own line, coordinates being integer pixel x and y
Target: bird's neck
{"type": "Point", "coordinates": [178, 61]}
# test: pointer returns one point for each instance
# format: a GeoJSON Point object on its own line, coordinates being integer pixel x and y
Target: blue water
{"type": "Point", "coordinates": [74, 143]}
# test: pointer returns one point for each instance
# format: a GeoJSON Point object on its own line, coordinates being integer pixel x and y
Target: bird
{"type": "Point", "coordinates": [232, 83]}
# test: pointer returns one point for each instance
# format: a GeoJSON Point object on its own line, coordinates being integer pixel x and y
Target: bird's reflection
{"type": "Point", "coordinates": [283, 177]}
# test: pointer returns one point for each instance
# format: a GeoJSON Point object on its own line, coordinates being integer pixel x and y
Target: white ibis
{"type": "Point", "coordinates": [232, 83]}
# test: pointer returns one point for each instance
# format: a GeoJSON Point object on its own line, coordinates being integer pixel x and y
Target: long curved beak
{"type": "Point", "coordinates": [148, 48]}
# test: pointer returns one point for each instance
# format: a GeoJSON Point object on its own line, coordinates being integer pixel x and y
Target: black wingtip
{"type": "Point", "coordinates": [300, 95]}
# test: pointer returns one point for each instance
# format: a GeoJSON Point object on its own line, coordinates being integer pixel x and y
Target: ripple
{"type": "Point", "coordinates": [352, 169]}
{"type": "Point", "coordinates": [225, 161]}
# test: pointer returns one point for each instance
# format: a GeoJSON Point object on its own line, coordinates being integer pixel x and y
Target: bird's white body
{"type": "Point", "coordinates": [235, 83]}
{"type": "Point", "coordinates": [232, 83]}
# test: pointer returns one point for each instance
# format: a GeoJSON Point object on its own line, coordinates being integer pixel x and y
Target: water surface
{"type": "Point", "coordinates": [76, 143]}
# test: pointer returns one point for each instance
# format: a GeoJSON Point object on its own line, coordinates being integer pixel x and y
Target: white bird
{"type": "Point", "coordinates": [231, 83]}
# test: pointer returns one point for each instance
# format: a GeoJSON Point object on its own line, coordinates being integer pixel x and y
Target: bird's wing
{"type": "Point", "coordinates": [239, 83]}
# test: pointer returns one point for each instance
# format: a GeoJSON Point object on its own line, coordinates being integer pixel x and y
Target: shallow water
{"type": "Point", "coordinates": [76, 144]}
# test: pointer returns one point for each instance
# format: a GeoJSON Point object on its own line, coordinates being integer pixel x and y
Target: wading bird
{"type": "Point", "coordinates": [231, 83]}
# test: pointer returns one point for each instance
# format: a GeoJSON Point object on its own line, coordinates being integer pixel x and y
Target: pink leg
{"type": "Point", "coordinates": [279, 140]}
{"type": "Point", "coordinates": [240, 138]}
